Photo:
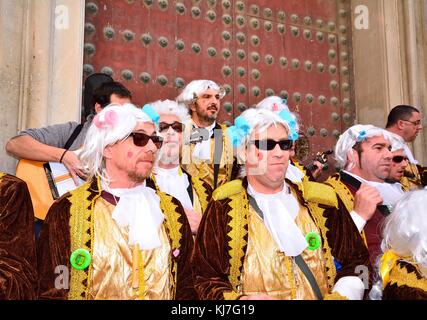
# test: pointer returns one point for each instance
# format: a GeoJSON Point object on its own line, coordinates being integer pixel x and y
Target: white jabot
{"type": "Point", "coordinates": [174, 182]}
{"type": "Point", "coordinates": [202, 150]}
{"type": "Point", "coordinates": [139, 209]}
{"type": "Point", "coordinates": [279, 211]}
{"type": "Point", "coordinates": [294, 174]}
{"type": "Point", "coordinates": [409, 154]}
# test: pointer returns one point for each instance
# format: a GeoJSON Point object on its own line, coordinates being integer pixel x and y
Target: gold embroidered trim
{"type": "Point", "coordinates": [81, 234]}
{"type": "Point", "coordinates": [173, 227]}
{"type": "Point", "coordinates": [320, 220]}
{"type": "Point", "coordinates": [2, 174]}
{"type": "Point", "coordinates": [399, 275]}
{"type": "Point", "coordinates": [141, 273]}
{"type": "Point", "coordinates": [334, 296]}
{"type": "Point", "coordinates": [345, 195]}
{"type": "Point", "coordinates": [290, 273]}
{"type": "Point", "coordinates": [232, 295]}
{"type": "Point", "coordinates": [238, 224]}
{"type": "Point", "coordinates": [228, 153]}
{"type": "Point", "coordinates": [201, 192]}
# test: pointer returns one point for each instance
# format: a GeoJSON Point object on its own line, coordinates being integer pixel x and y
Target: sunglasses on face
{"type": "Point", "coordinates": [176, 126]}
{"type": "Point", "coordinates": [141, 139]}
{"type": "Point", "coordinates": [270, 144]}
{"type": "Point", "coordinates": [399, 159]}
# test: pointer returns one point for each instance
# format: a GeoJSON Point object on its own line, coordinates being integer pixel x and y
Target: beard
{"type": "Point", "coordinates": [169, 155]}
{"type": "Point", "coordinates": [205, 116]}
{"type": "Point", "coordinates": [138, 177]}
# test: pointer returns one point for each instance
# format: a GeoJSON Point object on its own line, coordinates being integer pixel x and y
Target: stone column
{"type": "Point", "coordinates": [388, 57]}
{"type": "Point", "coordinates": [42, 46]}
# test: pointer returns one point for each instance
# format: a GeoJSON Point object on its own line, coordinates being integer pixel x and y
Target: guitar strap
{"type": "Point", "coordinates": [73, 136]}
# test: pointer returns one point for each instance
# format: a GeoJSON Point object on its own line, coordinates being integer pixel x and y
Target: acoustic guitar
{"type": "Point", "coordinates": [46, 181]}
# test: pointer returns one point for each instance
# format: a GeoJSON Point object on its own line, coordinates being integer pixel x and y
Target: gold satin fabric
{"type": "Point", "coordinates": [112, 261]}
{"type": "Point", "coordinates": [204, 170]}
{"type": "Point", "coordinates": [265, 266]}
{"type": "Point", "coordinates": [411, 179]}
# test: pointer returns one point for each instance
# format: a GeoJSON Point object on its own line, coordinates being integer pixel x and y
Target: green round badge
{"type": "Point", "coordinates": [80, 259]}
{"type": "Point", "coordinates": [313, 240]}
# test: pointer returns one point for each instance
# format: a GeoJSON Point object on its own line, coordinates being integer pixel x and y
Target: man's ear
{"type": "Point", "coordinates": [399, 124]}
{"type": "Point", "coordinates": [98, 108]}
{"type": "Point", "coordinates": [108, 152]}
{"type": "Point", "coordinates": [193, 106]}
{"type": "Point", "coordinates": [353, 157]}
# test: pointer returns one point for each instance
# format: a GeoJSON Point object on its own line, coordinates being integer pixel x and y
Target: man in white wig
{"type": "Point", "coordinates": [193, 193]}
{"type": "Point", "coordinates": [115, 236]}
{"type": "Point", "coordinates": [403, 264]}
{"type": "Point", "coordinates": [259, 238]}
{"type": "Point", "coordinates": [296, 172]}
{"type": "Point", "coordinates": [363, 152]}
{"type": "Point", "coordinates": [207, 153]}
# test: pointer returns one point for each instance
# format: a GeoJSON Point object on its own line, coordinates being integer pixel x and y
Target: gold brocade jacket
{"type": "Point", "coordinates": [223, 262]}
{"type": "Point", "coordinates": [77, 221]}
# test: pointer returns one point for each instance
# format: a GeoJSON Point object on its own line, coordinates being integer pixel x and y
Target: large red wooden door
{"type": "Point", "coordinates": [297, 49]}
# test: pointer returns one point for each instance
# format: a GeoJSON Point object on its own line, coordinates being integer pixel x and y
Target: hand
{"type": "Point", "coordinates": [73, 165]}
{"type": "Point", "coordinates": [318, 169]}
{"type": "Point", "coordinates": [366, 200]}
{"type": "Point", "coordinates": [194, 219]}
{"type": "Point", "coordinates": [257, 297]}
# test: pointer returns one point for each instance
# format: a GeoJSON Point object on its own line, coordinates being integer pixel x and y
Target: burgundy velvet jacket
{"type": "Point", "coordinates": [373, 228]}
{"type": "Point", "coordinates": [210, 262]}
{"type": "Point", "coordinates": [18, 263]}
{"type": "Point", "coordinates": [55, 242]}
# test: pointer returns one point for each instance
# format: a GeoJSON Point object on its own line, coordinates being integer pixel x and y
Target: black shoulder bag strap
{"type": "Point", "coordinates": [217, 154]}
{"type": "Point", "coordinates": [298, 259]}
{"type": "Point", "coordinates": [73, 136]}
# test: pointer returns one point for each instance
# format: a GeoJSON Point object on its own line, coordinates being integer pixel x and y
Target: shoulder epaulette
{"type": "Point", "coordinates": [320, 193]}
{"type": "Point", "coordinates": [227, 190]}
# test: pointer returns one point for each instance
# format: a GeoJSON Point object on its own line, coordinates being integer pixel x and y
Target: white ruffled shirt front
{"type": "Point", "coordinates": [174, 182]}
{"type": "Point", "coordinates": [279, 211]}
{"type": "Point", "coordinates": [139, 210]}
{"type": "Point", "coordinates": [202, 150]}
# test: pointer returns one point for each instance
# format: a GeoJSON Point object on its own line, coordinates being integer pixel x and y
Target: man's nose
{"type": "Point", "coordinates": [151, 146]}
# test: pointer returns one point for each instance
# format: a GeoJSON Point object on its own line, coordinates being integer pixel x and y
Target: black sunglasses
{"type": "Point", "coordinates": [399, 159]}
{"type": "Point", "coordinates": [141, 139]}
{"type": "Point", "coordinates": [177, 126]}
{"type": "Point", "coordinates": [270, 144]}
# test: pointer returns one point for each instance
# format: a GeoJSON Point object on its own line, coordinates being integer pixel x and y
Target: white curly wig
{"type": "Point", "coordinates": [195, 88]}
{"type": "Point", "coordinates": [172, 108]}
